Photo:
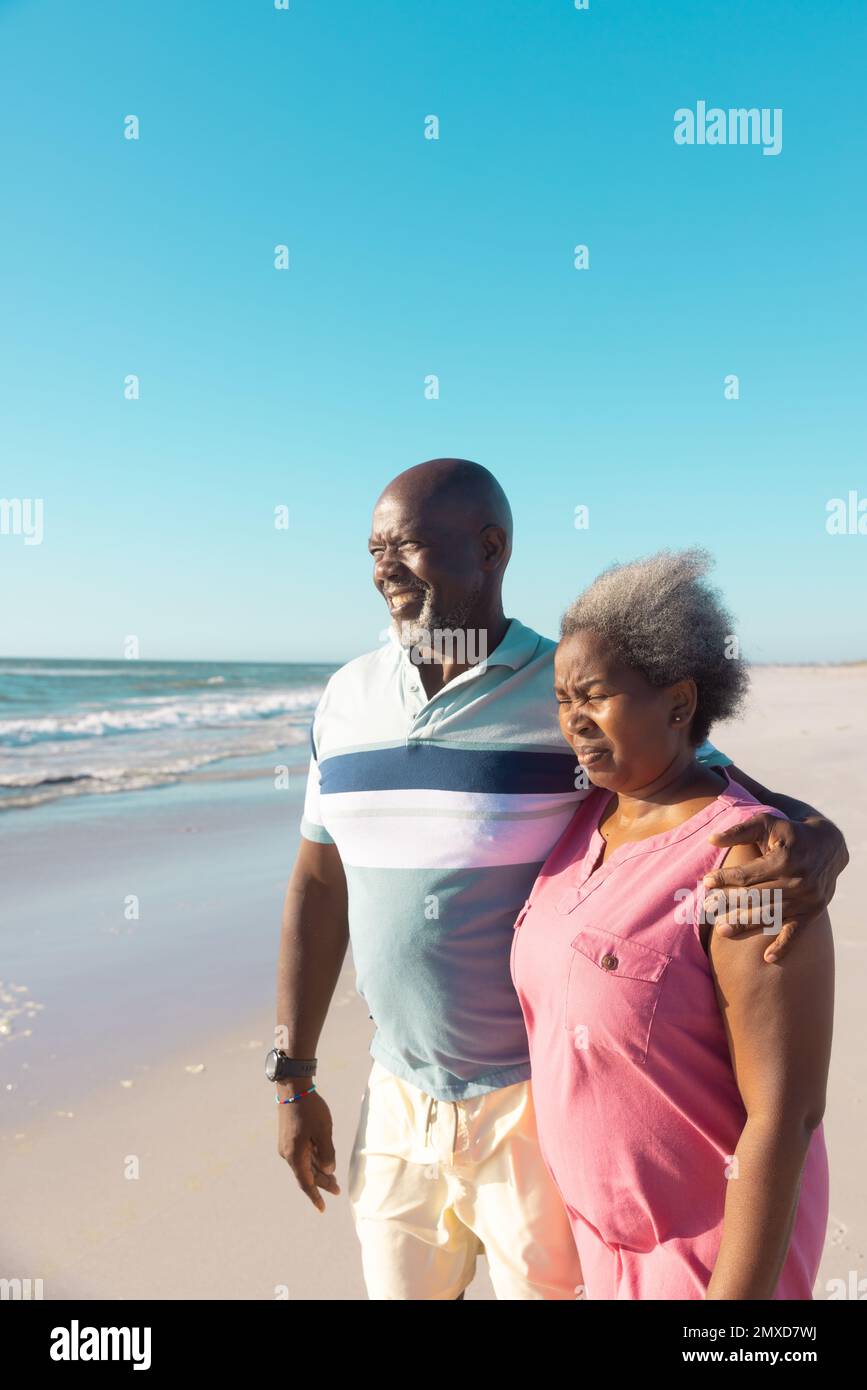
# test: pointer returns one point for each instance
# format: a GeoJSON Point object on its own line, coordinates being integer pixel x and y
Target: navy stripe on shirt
{"type": "Point", "coordinates": [424, 765]}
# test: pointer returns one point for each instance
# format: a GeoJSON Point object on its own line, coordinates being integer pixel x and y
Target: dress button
{"type": "Point", "coordinates": [610, 962]}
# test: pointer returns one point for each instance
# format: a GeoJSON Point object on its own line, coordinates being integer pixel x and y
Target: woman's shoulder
{"type": "Point", "coordinates": [575, 841]}
{"type": "Point", "coordinates": [737, 804]}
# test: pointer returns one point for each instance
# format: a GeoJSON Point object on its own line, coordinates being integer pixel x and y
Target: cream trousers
{"type": "Point", "coordinates": [433, 1184]}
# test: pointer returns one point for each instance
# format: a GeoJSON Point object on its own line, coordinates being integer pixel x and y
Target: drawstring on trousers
{"type": "Point", "coordinates": [432, 1109]}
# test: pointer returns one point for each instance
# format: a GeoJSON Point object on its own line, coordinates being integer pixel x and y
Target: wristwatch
{"type": "Point", "coordinates": [279, 1067]}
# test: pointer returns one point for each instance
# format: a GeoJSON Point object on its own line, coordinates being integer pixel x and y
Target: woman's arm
{"type": "Point", "coordinates": [778, 1022]}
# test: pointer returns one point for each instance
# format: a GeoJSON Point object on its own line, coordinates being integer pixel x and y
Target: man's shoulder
{"type": "Point", "coordinates": [546, 648]}
{"type": "Point", "coordinates": [527, 646]}
{"type": "Point", "coordinates": [363, 674]}
{"type": "Point", "coordinates": [382, 659]}
{"type": "Point", "coordinates": [738, 803]}
{"type": "Point", "coordinates": [525, 708]}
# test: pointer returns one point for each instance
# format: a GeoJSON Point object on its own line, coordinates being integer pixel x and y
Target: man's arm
{"type": "Point", "coordinates": [313, 944]}
{"type": "Point", "coordinates": [794, 809]}
{"type": "Point", "coordinates": [801, 858]}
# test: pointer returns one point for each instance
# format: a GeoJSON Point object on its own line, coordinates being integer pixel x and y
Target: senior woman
{"type": "Point", "coordinates": [678, 1079]}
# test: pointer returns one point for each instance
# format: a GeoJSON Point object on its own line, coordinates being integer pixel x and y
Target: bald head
{"type": "Point", "coordinates": [453, 486]}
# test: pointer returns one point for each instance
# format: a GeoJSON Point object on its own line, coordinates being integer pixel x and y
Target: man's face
{"type": "Point", "coordinates": [426, 566]}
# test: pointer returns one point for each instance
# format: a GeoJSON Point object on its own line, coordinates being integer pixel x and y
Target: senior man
{"type": "Point", "coordinates": [438, 784]}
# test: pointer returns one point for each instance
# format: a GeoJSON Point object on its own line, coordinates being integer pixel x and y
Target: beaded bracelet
{"type": "Point", "coordinates": [299, 1095]}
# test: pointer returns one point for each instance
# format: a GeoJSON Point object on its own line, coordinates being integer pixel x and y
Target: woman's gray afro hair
{"type": "Point", "coordinates": [664, 620]}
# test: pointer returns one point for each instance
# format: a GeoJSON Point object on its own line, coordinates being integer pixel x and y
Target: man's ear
{"type": "Point", "coordinates": [495, 546]}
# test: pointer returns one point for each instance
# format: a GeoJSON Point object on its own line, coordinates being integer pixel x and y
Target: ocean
{"type": "Point", "coordinates": [74, 728]}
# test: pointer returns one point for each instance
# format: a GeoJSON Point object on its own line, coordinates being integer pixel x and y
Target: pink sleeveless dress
{"type": "Point", "coordinates": [637, 1108]}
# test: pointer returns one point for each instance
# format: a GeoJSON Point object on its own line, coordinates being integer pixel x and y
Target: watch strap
{"type": "Point", "coordinates": [287, 1067]}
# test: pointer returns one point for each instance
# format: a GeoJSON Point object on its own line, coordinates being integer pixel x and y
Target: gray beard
{"type": "Point", "coordinates": [421, 631]}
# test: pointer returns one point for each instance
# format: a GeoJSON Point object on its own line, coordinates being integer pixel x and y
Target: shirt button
{"type": "Point", "coordinates": [610, 962]}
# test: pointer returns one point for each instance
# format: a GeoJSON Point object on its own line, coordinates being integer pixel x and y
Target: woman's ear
{"type": "Point", "coordinates": [684, 698]}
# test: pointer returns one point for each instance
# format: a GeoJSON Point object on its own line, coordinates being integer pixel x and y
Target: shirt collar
{"type": "Point", "coordinates": [518, 646]}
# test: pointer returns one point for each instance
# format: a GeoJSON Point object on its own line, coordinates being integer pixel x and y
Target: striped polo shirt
{"type": "Point", "coordinates": [443, 810]}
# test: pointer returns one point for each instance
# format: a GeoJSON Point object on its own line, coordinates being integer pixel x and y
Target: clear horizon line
{"type": "Point", "coordinates": [326, 661]}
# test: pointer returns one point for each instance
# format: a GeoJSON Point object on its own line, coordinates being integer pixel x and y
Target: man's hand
{"type": "Point", "coordinates": [802, 859]}
{"type": "Point", "coordinates": [304, 1140]}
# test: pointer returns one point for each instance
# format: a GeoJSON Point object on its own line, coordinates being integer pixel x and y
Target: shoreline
{"type": "Point", "coordinates": [125, 934]}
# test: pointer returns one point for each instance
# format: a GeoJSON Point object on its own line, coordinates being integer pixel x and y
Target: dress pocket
{"type": "Point", "coordinates": [612, 992]}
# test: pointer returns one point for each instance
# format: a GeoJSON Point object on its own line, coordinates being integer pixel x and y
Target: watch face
{"type": "Point", "coordinates": [271, 1065]}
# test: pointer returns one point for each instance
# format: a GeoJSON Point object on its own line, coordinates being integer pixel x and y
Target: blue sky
{"type": "Point", "coordinates": [411, 257]}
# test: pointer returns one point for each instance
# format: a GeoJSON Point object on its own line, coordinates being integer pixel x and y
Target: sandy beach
{"type": "Point", "coordinates": [137, 1131]}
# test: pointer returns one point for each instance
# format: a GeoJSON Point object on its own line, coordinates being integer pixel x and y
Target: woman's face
{"type": "Point", "coordinates": [625, 732]}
